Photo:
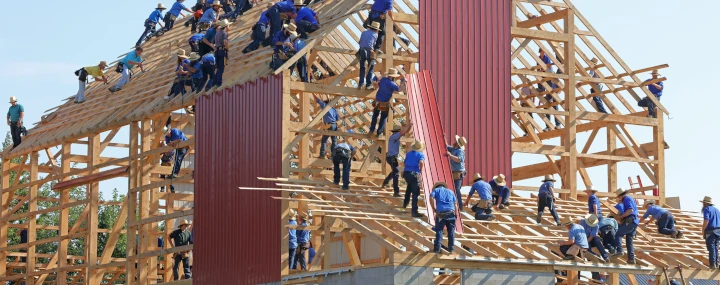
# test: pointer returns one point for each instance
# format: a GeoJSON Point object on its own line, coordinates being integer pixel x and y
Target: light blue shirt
{"type": "Point", "coordinates": [155, 16]}
{"type": "Point", "coordinates": [444, 199]}
{"type": "Point", "coordinates": [331, 116]}
{"type": "Point", "coordinates": [577, 233]}
{"type": "Point", "coordinates": [292, 235]}
{"type": "Point", "coordinates": [208, 16]}
{"type": "Point", "coordinates": [589, 231]}
{"type": "Point", "coordinates": [368, 39]}
{"type": "Point", "coordinates": [608, 222]}
{"type": "Point", "coordinates": [545, 187]}
{"type": "Point", "coordinates": [483, 188]}
{"type": "Point", "coordinates": [460, 154]}
{"type": "Point", "coordinates": [412, 161]}
{"type": "Point", "coordinates": [303, 235]}
{"type": "Point", "coordinates": [298, 45]}
{"type": "Point", "coordinates": [394, 144]}
{"type": "Point", "coordinates": [655, 211]}
{"type": "Point", "coordinates": [14, 112]}
{"type": "Point", "coordinates": [131, 56]}
{"type": "Point", "coordinates": [177, 7]}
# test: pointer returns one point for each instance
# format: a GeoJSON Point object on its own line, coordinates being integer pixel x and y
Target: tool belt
{"type": "Point", "coordinates": [169, 17]}
{"type": "Point", "coordinates": [119, 68]}
{"type": "Point", "coordinates": [203, 26]}
{"type": "Point", "coordinates": [341, 152]}
{"type": "Point", "coordinates": [458, 174]}
{"type": "Point", "coordinates": [445, 215]}
{"type": "Point", "coordinates": [481, 206]}
{"type": "Point", "coordinates": [628, 220]}
{"type": "Point", "coordinates": [183, 254]}
{"type": "Point", "coordinates": [381, 106]}
{"type": "Point", "coordinates": [573, 250]}
{"type": "Point", "coordinates": [82, 74]}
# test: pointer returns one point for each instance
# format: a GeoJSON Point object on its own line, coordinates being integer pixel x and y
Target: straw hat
{"type": "Point", "coordinates": [194, 56]}
{"type": "Point", "coordinates": [655, 72]}
{"type": "Point", "coordinates": [619, 192]}
{"type": "Point", "coordinates": [566, 221]}
{"type": "Point", "coordinates": [461, 141]}
{"type": "Point", "coordinates": [103, 63]}
{"type": "Point", "coordinates": [184, 222]}
{"type": "Point", "coordinates": [591, 189]}
{"type": "Point", "coordinates": [418, 145]}
{"type": "Point", "coordinates": [594, 60]}
{"type": "Point", "coordinates": [439, 184]}
{"type": "Point", "coordinates": [375, 26]}
{"type": "Point", "coordinates": [299, 3]}
{"type": "Point", "coordinates": [13, 99]}
{"type": "Point", "coordinates": [591, 220]}
{"type": "Point", "coordinates": [707, 200]}
{"type": "Point", "coordinates": [161, 6]}
{"type": "Point", "coordinates": [217, 3]}
{"type": "Point", "coordinates": [396, 129]}
{"type": "Point", "coordinates": [649, 202]}
{"type": "Point", "coordinates": [549, 177]}
{"type": "Point", "coordinates": [477, 176]}
{"type": "Point", "coordinates": [181, 54]}
{"type": "Point", "coordinates": [500, 180]}
{"type": "Point", "coordinates": [392, 72]}
{"type": "Point", "coordinates": [223, 23]}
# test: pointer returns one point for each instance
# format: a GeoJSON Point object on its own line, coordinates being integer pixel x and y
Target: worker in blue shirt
{"type": "Point", "coordinates": [303, 239]}
{"type": "Point", "coordinates": [577, 239]}
{"type": "Point", "coordinates": [379, 11]}
{"type": "Point", "coordinates": [391, 157]}
{"type": "Point", "coordinates": [207, 65]}
{"type": "Point", "coordinates": [456, 154]}
{"type": "Point", "coordinates": [596, 87]}
{"type": "Point", "coordinates": [665, 221]}
{"type": "Point", "coordinates": [382, 100]}
{"type": "Point", "coordinates": [175, 12]}
{"type": "Point", "coordinates": [591, 226]}
{"type": "Point", "coordinates": [711, 230]}
{"type": "Point", "coordinates": [196, 74]}
{"type": "Point", "coordinates": [278, 12]}
{"type": "Point", "coordinates": [414, 162]}
{"type": "Point", "coordinates": [259, 32]}
{"type": "Point", "coordinates": [594, 202]}
{"type": "Point", "coordinates": [15, 116]}
{"type": "Point", "coordinates": [483, 209]}
{"type": "Point", "coordinates": [342, 154]}
{"type": "Point", "coordinates": [282, 45]}
{"type": "Point", "coordinates": [501, 194]}
{"type": "Point", "coordinates": [442, 201]}
{"type": "Point", "coordinates": [629, 222]}
{"type": "Point", "coordinates": [307, 22]}
{"type": "Point", "coordinates": [301, 64]}
{"type": "Point", "coordinates": [178, 84]}
{"type": "Point", "coordinates": [657, 90]}
{"type": "Point", "coordinates": [366, 55]}
{"type": "Point", "coordinates": [172, 138]}
{"type": "Point", "coordinates": [150, 22]}
{"type": "Point", "coordinates": [607, 229]}
{"type": "Point", "coordinates": [551, 69]}
{"type": "Point", "coordinates": [546, 198]}
{"type": "Point", "coordinates": [330, 119]}
{"type": "Point", "coordinates": [311, 253]}
{"type": "Point", "coordinates": [210, 16]}
{"type": "Point", "coordinates": [207, 44]}
{"type": "Point", "coordinates": [126, 64]}
{"type": "Point", "coordinates": [292, 241]}
{"type": "Point", "coordinates": [194, 41]}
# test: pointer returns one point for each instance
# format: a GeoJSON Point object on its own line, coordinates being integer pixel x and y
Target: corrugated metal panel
{"type": "Point", "coordinates": [429, 128]}
{"type": "Point", "coordinates": [466, 46]}
{"type": "Point", "coordinates": [239, 138]}
{"type": "Point", "coordinates": [642, 279]}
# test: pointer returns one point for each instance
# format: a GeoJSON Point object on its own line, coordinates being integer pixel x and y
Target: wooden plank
{"type": "Point", "coordinates": [95, 177]}
{"type": "Point", "coordinates": [539, 20]}
{"type": "Point", "coordinates": [539, 35]}
{"type": "Point", "coordinates": [351, 249]}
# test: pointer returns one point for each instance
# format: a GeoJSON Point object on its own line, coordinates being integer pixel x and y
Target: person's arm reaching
{"type": "Point", "coordinates": [406, 129]}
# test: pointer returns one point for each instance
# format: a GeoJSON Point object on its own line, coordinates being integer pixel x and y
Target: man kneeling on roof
{"type": "Point", "coordinates": [501, 194]}
{"type": "Point", "coordinates": [590, 224]}
{"type": "Point", "coordinates": [665, 221]}
{"type": "Point", "coordinates": [442, 201]}
{"type": "Point", "coordinates": [172, 138]}
{"type": "Point", "coordinates": [483, 209]}
{"type": "Point", "coordinates": [576, 242]}
{"type": "Point", "coordinates": [282, 45]}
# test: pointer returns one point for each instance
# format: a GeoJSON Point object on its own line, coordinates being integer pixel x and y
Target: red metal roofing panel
{"type": "Point", "coordinates": [238, 138]}
{"type": "Point", "coordinates": [428, 127]}
{"type": "Point", "coordinates": [465, 44]}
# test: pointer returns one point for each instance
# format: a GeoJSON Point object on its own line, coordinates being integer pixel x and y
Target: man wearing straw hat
{"type": "Point", "coordinates": [15, 116]}
{"type": "Point", "coordinates": [210, 16]}
{"type": "Point", "coordinates": [259, 32]}
{"type": "Point", "coordinates": [303, 239]}
{"type": "Point", "coordinates": [456, 154]}
{"type": "Point", "coordinates": [221, 46]}
{"type": "Point", "coordinates": [379, 11]}
{"type": "Point", "coordinates": [711, 230]}
{"type": "Point", "coordinates": [593, 202]}
{"type": "Point", "coordinates": [306, 20]}
{"type": "Point", "coordinates": [501, 194]}
{"type": "Point", "coordinates": [442, 201]}
{"type": "Point", "coordinates": [483, 209]}
{"type": "Point", "coordinates": [151, 21]}
{"type": "Point", "coordinates": [83, 73]}
{"type": "Point", "coordinates": [657, 90]}
{"type": "Point", "coordinates": [276, 13]}
{"type": "Point", "coordinates": [414, 162]}
{"type": "Point", "coordinates": [591, 225]}
{"type": "Point", "coordinates": [629, 222]}
{"type": "Point", "coordinates": [596, 87]}
{"type": "Point", "coordinates": [342, 154]}
{"type": "Point", "coordinates": [282, 45]}
{"type": "Point", "coordinates": [387, 87]}
{"type": "Point", "coordinates": [391, 157]}
{"type": "Point", "coordinates": [576, 242]}
{"type": "Point", "coordinates": [665, 221]}
{"type": "Point", "coordinates": [125, 65]}
{"type": "Point", "coordinates": [181, 237]}
{"type": "Point", "coordinates": [366, 54]}
{"type": "Point", "coordinates": [330, 120]}
{"type": "Point", "coordinates": [546, 198]}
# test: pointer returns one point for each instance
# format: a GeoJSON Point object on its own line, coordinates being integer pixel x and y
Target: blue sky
{"type": "Point", "coordinates": [40, 53]}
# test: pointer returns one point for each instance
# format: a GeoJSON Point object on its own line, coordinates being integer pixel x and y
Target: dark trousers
{"type": "Point", "coordinates": [383, 119]}
{"type": "Point", "coordinates": [651, 106]}
{"type": "Point", "coordinates": [394, 173]}
{"type": "Point", "coordinates": [381, 33]}
{"type": "Point", "coordinates": [323, 141]}
{"type": "Point", "coordinates": [504, 199]}
{"type": "Point", "coordinates": [179, 156]}
{"type": "Point", "coordinates": [598, 102]}
{"type": "Point", "coordinates": [291, 257]}
{"type": "Point", "coordinates": [205, 48]}
{"type": "Point", "coordinates": [15, 131]}
{"type": "Point", "coordinates": [300, 256]}
{"type": "Point", "coordinates": [597, 243]}
{"type": "Point", "coordinates": [194, 46]}
{"type": "Point", "coordinates": [169, 24]}
{"type": "Point", "coordinates": [275, 23]}
{"type": "Point", "coordinates": [666, 224]}
{"type": "Point", "coordinates": [258, 37]}
{"type": "Point", "coordinates": [550, 99]}
{"type": "Point", "coordinates": [627, 231]}
{"type": "Point", "coordinates": [302, 69]}
{"type": "Point", "coordinates": [220, 59]}
{"type": "Point", "coordinates": [449, 223]}
{"type": "Point", "coordinates": [366, 67]}
{"type": "Point", "coordinates": [23, 259]}
{"type": "Point", "coordinates": [711, 241]}
{"type": "Point", "coordinates": [545, 200]}
{"type": "Point", "coordinates": [458, 184]}
{"type": "Point", "coordinates": [178, 88]}
{"type": "Point", "coordinates": [413, 189]}
{"type": "Point", "coordinates": [337, 160]}
{"type": "Point", "coordinates": [186, 267]}
{"type": "Point", "coordinates": [208, 71]}
{"type": "Point", "coordinates": [149, 25]}
{"type": "Point", "coordinates": [607, 233]}
{"type": "Point", "coordinates": [565, 248]}
{"type": "Point", "coordinates": [304, 28]}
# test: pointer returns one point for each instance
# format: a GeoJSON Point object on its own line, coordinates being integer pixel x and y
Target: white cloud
{"type": "Point", "coordinates": [36, 68]}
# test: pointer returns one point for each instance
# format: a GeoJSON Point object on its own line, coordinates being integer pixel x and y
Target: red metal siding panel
{"type": "Point", "coordinates": [238, 138]}
{"type": "Point", "coordinates": [424, 111]}
{"type": "Point", "coordinates": [465, 44]}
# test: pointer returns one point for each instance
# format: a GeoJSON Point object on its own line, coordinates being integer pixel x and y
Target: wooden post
{"type": "Point", "coordinates": [659, 141]}
{"type": "Point", "coordinates": [93, 190]}
{"type": "Point", "coordinates": [285, 204]}
{"type": "Point", "coordinates": [32, 219]}
{"type": "Point", "coordinates": [131, 201]}
{"type": "Point", "coordinates": [64, 218]}
{"type": "Point", "coordinates": [612, 165]}
{"type": "Point", "coordinates": [144, 230]}
{"type": "Point", "coordinates": [571, 120]}
{"type": "Point", "coordinates": [3, 212]}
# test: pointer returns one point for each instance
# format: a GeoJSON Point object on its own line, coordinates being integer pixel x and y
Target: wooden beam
{"type": "Point", "coordinates": [95, 177]}
{"type": "Point", "coordinates": [539, 35]}
{"type": "Point", "coordinates": [404, 18]}
{"type": "Point", "coordinates": [543, 19]}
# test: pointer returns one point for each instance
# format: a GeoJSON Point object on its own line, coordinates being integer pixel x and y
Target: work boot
{"type": "Point", "coordinates": [490, 218]}
{"type": "Point", "coordinates": [679, 234]}
{"type": "Point", "coordinates": [606, 259]}
{"type": "Point", "coordinates": [617, 253]}
{"type": "Point", "coordinates": [360, 87]}
{"type": "Point", "coordinates": [370, 87]}
{"type": "Point", "coordinates": [113, 89]}
{"type": "Point", "coordinates": [631, 261]}
{"type": "Point", "coordinates": [397, 195]}
{"type": "Point", "coordinates": [538, 219]}
{"type": "Point", "coordinates": [418, 215]}
{"type": "Point", "coordinates": [568, 257]}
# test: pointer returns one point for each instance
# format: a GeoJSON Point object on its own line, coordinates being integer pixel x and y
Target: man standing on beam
{"type": "Point", "coordinates": [456, 154]}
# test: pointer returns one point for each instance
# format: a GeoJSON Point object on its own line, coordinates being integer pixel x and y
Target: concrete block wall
{"type": "Point", "coordinates": [386, 275]}
{"type": "Point", "coordinates": [494, 277]}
